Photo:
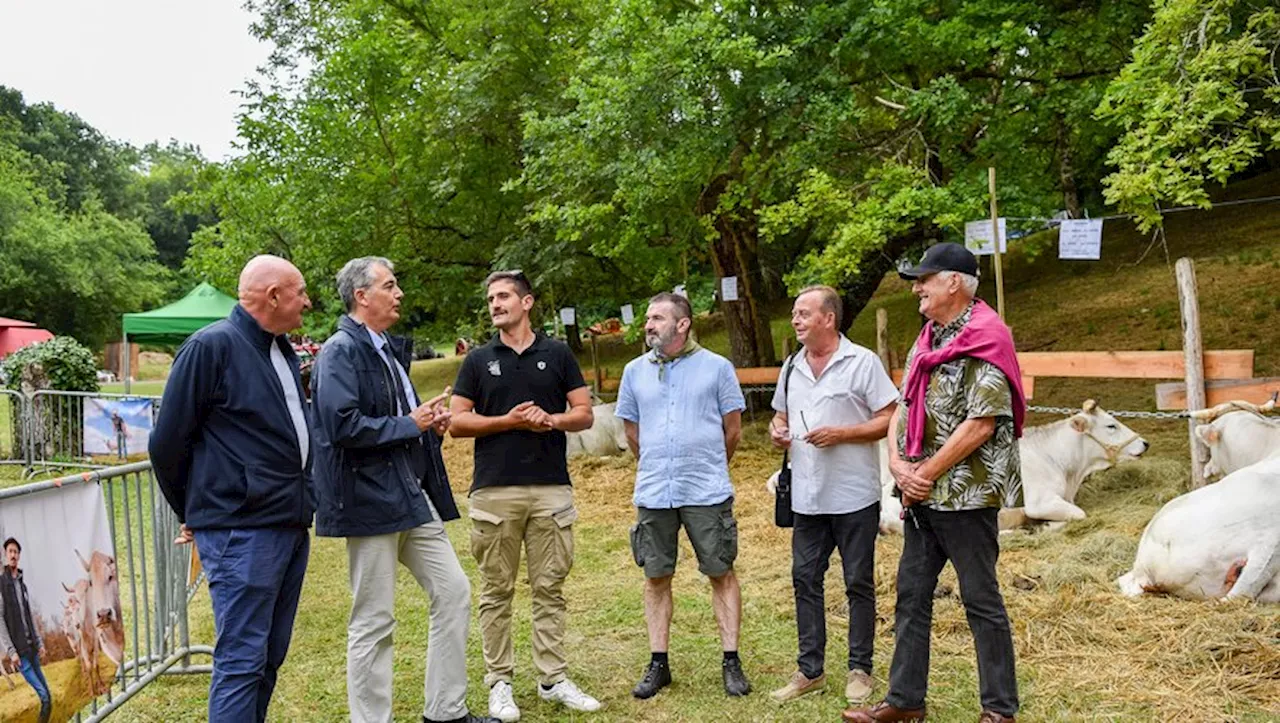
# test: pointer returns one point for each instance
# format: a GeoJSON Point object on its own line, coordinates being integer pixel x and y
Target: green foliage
{"type": "Point", "coordinates": [167, 175]}
{"type": "Point", "coordinates": [1199, 102]}
{"type": "Point", "coordinates": [71, 271]}
{"type": "Point", "coordinates": [66, 363]}
{"type": "Point", "coordinates": [69, 160]}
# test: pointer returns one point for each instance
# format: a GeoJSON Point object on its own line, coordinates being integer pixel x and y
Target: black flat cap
{"type": "Point", "coordinates": [943, 257]}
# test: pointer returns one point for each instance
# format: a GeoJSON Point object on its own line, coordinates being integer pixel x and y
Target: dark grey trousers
{"type": "Point", "coordinates": [813, 539]}
{"type": "Point", "coordinates": [970, 540]}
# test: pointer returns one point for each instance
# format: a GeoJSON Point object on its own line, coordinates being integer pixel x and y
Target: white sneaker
{"type": "Point", "coordinates": [570, 696]}
{"type": "Point", "coordinates": [502, 703]}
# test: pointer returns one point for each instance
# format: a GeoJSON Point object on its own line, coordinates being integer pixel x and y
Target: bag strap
{"type": "Point", "coordinates": [786, 396]}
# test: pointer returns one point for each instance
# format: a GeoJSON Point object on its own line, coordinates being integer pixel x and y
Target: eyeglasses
{"type": "Point", "coordinates": [800, 437]}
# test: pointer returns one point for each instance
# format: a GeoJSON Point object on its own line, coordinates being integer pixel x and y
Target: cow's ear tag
{"type": "Point", "coordinates": [1079, 423]}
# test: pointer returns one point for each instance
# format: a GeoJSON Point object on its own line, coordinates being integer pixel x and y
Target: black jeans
{"type": "Point", "coordinates": [813, 539]}
{"type": "Point", "coordinates": [970, 540]}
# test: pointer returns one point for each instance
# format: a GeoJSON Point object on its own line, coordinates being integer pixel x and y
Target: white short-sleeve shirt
{"type": "Point", "coordinates": [854, 386]}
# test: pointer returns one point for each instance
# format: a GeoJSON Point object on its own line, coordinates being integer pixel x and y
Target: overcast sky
{"type": "Point", "coordinates": [137, 70]}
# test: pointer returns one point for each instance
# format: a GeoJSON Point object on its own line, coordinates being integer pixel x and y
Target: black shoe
{"type": "Point", "coordinates": [735, 681]}
{"type": "Point", "coordinates": [656, 677]}
{"type": "Point", "coordinates": [468, 718]}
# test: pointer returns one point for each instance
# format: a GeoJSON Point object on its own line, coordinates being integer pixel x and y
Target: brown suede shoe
{"type": "Point", "coordinates": [990, 716]}
{"type": "Point", "coordinates": [882, 712]}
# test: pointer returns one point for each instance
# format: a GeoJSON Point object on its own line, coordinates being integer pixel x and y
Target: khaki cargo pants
{"type": "Point", "coordinates": [502, 519]}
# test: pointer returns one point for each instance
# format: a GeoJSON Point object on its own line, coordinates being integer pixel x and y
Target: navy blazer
{"type": "Point", "coordinates": [224, 449]}
{"type": "Point", "coordinates": [372, 464]}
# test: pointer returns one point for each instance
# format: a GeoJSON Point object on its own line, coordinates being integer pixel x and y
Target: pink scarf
{"type": "Point", "coordinates": [985, 337]}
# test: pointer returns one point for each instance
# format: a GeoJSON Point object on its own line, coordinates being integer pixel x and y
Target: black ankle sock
{"type": "Point", "coordinates": [544, 686]}
{"type": "Point", "coordinates": [658, 658]}
{"type": "Point", "coordinates": [730, 655]}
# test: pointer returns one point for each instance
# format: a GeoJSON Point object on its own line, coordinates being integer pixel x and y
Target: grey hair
{"type": "Point", "coordinates": [967, 282]}
{"type": "Point", "coordinates": [358, 274]}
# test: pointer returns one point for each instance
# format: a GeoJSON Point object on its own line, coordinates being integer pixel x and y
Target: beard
{"type": "Point", "coordinates": [660, 339]}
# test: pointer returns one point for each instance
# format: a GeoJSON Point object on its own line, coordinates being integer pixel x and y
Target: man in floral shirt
{"type": "Point", "coordinates": [955, 463]}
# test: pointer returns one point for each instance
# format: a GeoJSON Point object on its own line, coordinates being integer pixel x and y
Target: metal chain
{"type": "Point", "coordinates": [1068, 411]}
{"type": "Point", "coordinates": [1064, 411]}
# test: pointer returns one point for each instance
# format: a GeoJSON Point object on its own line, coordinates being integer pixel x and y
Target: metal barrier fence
{"type": "Point", "coordinates": [153, 580]}
{"type": "Point", "coordinates": [13, 434]}
{"type": "Point", "coordinates": [49, 433]}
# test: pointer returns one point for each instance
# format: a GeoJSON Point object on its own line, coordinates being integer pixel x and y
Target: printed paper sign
{"type": "Point", "coordinates": [977, 237]}
{"type": "Point", "coordinates": [1080, 238]}
{"type": "Point", "coordinates": [729, 288]}
{"type": "Point", "coordinates": [628, 314]}
{"type": "Point", "coordinates": [568, 316]}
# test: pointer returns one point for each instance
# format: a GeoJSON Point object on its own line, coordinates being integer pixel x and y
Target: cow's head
{"type": "Point", "coordinates": [1115, 442]}
{"type": "Point", "coordinates": [1236, 440]}
{"type": "Point", "coordinates": [102, 602]}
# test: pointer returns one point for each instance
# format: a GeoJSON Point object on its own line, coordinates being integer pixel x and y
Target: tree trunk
{"type": "Point", "coordinates": [1067, 173]}
{"type": "Point", "coordinates": [858, 289]}
{"type": "Point", "coordinates": [573, 338]}
{"type": "Point", "coordinates": [733, 253]}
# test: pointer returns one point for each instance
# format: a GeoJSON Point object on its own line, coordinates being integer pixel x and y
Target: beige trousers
{"type": "Point", "coordinates": [539, 518]}
{"type": "Point", "coordinates": [428, 554]}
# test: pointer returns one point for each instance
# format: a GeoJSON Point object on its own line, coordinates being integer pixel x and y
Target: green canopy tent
{"type": "Point", "coordinates": [173, 323]}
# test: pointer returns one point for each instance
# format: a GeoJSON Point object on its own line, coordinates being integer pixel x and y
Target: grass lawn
{"type": "Point", "coordinates": [1084, 652]}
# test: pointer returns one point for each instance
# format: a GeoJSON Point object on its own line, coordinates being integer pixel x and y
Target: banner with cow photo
{"type": "Point", "coordinates": [62, 629]}
{"type": "Point", "coordinates": [118, 427]}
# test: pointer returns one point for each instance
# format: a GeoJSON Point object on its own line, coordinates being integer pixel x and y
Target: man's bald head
{"type": "Point", "coordinates": [274, 293]}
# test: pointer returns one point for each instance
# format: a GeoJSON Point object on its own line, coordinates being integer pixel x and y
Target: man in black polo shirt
{"type": "Point", "coordinates": [510, 394]}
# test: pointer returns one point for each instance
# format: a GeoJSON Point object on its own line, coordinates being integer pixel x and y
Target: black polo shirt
{"type": "Point", "coordinates": [496, 379]}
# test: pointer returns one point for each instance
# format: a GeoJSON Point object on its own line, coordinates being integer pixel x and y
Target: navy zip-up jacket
{"type": "Point", "coordinates": [224, 448]}
{"type": "Point", "coordinates": [371, 463]}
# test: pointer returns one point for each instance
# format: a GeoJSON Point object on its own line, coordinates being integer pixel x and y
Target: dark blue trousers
{"type": "Point", "coordinates": [255, 578]}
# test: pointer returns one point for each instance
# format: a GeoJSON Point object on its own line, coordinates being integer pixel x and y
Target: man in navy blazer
{"type": "Point", "coordinates": [381, 483]}
{"type": "Point", "coordinates": [231, 453]}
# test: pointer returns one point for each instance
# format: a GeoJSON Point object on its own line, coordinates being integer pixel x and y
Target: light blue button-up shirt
{"type": "Point", "coordinates": [681, 419]}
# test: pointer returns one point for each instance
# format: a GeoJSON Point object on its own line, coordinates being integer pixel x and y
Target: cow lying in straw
{"type": "Point", "coordinates": [1237, 435]}
{"type": "Point", "coordinates": [605, 437]}
{"type": "Point", "coordinates": [1220, 541]}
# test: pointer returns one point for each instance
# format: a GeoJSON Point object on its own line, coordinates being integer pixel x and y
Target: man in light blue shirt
{"type": "Point", "coordinates": [682, 410]}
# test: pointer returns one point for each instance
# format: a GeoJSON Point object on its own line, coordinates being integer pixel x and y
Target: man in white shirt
{"type": "Point", "coordinates": [830, 413]}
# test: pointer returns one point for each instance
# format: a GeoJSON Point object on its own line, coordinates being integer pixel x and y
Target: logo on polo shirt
{"type": "Point", "coordinates": [542, 365]}
{"type": "Point", "coordinates": [495, 369]}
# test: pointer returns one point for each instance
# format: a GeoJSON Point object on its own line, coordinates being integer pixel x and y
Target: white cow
{"type": "Point", "coordinates": [1056, 458]}
{"type": "Point", "coordinates": [1237, 436]}
{"type": "Point", "coordinates": [606, 435]}
{"type": "Point", "coordinates": [1220, 541]}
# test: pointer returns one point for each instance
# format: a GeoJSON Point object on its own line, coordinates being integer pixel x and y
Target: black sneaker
{"type": "Point", "coordinates": [468, 718]}
{"type": "Point", "coordinates": [735, 681]}
{"type": "Point", "coordinates": [656, 677]}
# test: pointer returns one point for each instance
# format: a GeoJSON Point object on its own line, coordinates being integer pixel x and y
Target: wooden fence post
{"type": "Point", "coordinates": [882, 338]}
{"type": "Point", "coordinates": [595, 363]}
{"type": "Point", "coordinates": [1193, 354]}
{"type": "Point", "coordinates": [995, 235]}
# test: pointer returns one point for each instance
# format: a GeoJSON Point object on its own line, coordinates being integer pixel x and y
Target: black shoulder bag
{"type": "Point", "coordinates": [782, 514]}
